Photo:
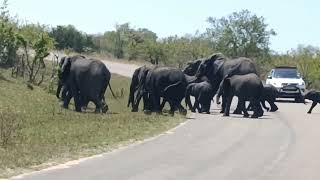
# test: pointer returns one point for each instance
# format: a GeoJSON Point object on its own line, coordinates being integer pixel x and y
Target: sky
{"type": "Point", "coordinates": [295, 21]}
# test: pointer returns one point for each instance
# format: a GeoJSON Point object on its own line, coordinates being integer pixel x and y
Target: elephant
{"type": "Point", "coordinates": [136, 87]}
{"type": "Point", "coordinates": [314, 96]}
{"type": "Point", "coordinates": [61, 85]}
{"type": "Point", "coordinates": [192, 67]}
{"type": "Point", "coordinates": [216, 67]}
{"type": "Point", "coordinates": [245, 87]}
{"type": "Point", "coordinates": [203, 94]}
{"type": "Point", "coordinates": [85, 80]}
{"type": "Point", "coordinates": [168, 83]}
{"type": "Point", "coordinates": [269, 94]}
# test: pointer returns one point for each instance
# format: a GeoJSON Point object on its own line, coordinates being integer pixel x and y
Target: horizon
{"type": "Point", "coordinates": [294, 27]}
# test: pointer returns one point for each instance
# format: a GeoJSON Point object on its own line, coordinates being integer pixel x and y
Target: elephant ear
{"type": "Point", "coordinates": [216, 56]}
{"type": "Point", "coordinates": [65, 68]}
{"type": "Point", "coordinates": [62, 61]}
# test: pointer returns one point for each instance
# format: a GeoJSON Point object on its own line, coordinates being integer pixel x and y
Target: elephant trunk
{"type": "Point", "coordinates": [218, 99]}
{"type": "Point", "coordinates": [131, 96]}
{"type": "Point", "coordinates": [191, 79]}
{"type": "Point", "coordinates": [59, 89]}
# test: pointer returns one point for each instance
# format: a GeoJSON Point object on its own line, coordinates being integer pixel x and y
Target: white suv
{"type": "Point", "coordinates": [288, 82]}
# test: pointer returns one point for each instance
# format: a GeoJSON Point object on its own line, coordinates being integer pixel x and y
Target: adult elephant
{"type": "Point", "coordinates": [168, 83]}
{"type": "Point", "coordinates": [137, 87]}
{"type": "Point", "coordinates": [61, 86]}
{"type": "Point", "coordinates": [86, 80]}
{"type": "Point", "coordinates": [216, 67]}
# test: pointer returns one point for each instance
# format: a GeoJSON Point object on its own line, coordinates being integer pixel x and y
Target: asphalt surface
{"type": "Point", "coordinates": [283, 145]}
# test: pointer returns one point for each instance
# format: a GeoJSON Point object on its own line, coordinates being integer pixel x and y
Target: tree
{"type": "Point", "coordinates": [36, 44]}
{"type": "Point", "coordinates": [68, 37]}
{"type": "Point", "coordinates": [240, 34]}
{"type": "Point", "coordinates": [8, 38]}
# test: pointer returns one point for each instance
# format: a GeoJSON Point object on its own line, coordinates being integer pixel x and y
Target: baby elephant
{"type": "Point", "coordinates": [313, 96]}
{"type": "Point", "coordinates": [245, 87]}
{"type": "Point", "coordinates": [203, 94]}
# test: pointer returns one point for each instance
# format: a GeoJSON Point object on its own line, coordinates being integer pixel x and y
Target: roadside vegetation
{"type": "Point", "coordinates": [34, 129]}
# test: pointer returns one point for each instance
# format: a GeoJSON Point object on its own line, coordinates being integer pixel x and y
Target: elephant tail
{"type": "Point", "coordinates": [170, 86]}
{"type": "Point", "coordinates": [112, 91]}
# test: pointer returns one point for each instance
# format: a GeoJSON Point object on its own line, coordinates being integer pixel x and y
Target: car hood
{"type": "Point", "coordinates": [289, 80]}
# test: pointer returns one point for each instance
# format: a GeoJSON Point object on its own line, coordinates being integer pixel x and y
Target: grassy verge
{"type": "Point", "coordinates": [45, 134]}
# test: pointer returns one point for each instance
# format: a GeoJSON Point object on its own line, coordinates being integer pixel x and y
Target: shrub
{"type": "Point", "coordinates": [10, 126]}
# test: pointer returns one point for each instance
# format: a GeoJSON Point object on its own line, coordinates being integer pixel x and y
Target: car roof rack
{"type": "Point", "coordinates": [286, 67]}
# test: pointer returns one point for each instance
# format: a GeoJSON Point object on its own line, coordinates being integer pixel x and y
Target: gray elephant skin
{"type": "Point", "coordinates": [269, 94]}
{"type": "Point", "coordinates": [216, 67]}
{"type": "Point", "coordinates": [314, 96]}
{"type": "Point", "coordinates": [168, 83]}
{"type": "Point", "coordinates": [137, 87]}
{"type": "Point", "coordinates": [245, 87]}
{"type": "Point", "coordinates": [203, 94]}
{"type": "Point", "coordinates": [85, 80]}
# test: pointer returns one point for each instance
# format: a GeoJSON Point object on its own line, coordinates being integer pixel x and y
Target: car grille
{"type": "Point", "coordinates": [289, 84]}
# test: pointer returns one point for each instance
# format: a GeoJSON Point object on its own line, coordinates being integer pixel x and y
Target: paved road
{"type": "Point", "coordinates": [280, 146]}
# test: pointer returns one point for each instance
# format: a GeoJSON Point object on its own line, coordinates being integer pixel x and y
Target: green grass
{"type": "Point", "coordinates": [48, 134]}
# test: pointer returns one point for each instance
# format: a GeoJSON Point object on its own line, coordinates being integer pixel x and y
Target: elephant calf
{"type": "Point", "coordinates": [269, 94]}
{"type": "Point", "coordinates": [245, 87]}
{"type": "Point", "coordinates": [314, 96]}
{"type": "Point", "coordinates": [203, 94]}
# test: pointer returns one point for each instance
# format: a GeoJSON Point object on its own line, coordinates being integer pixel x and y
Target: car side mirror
{"type": "Point", "coordinates": [269, 77]}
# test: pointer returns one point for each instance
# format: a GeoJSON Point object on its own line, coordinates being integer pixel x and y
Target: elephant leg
{"type": "Point", "coordinates": [147, 103]}
{"type": "Point", "coordinates": [257, 110]}
{"type": "Point", "coordinates": [173, 108]}
{"type": "Point", "coordinates": [135, 104]}
{"type": "Point", "coordinates": [156, 103]}
{"type": "Point", "coordinates": [188, 102]}
{"type": "Point", "coordinates": [205, 107]}
{"type": "Point", "coordinates": [98, 103]}
{"type": "Point", "coordinates": [238, 109]}
{"type": "Point", "coordinates": [227, 106]}
{"type": "Point", "coordinates": [314, 103]}
{"type": "Point", "coordinates": [263, 103]}
{"type": "Point", "coordinates": [182, 110]}
{"type": "Point", "coordinates": [195, 106]}
{"type": "Point", "coordinates": [77, 103]}
{"type": "Point", "coordinates": [66, 100]}
{"type": "Point", "coordinates": [64, 92]}
{"type": "Point", "coordinates": [250, 107]}
{"type": "Point", "coordinates": [243, 107]}
{"type": "Point", "coordinates": [104, 106]}
{"type": "Point", "coordinates": [84, 103]}
{"type": "Point", "coordinates": [274, 107]}
{"type": "Point", "coordinates": [223, 105]}
{"type": "Point", "coordinates": [163, 104]}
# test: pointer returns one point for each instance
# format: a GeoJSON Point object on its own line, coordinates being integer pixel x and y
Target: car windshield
{"type": "Point", "coordinates": [286, 73]}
